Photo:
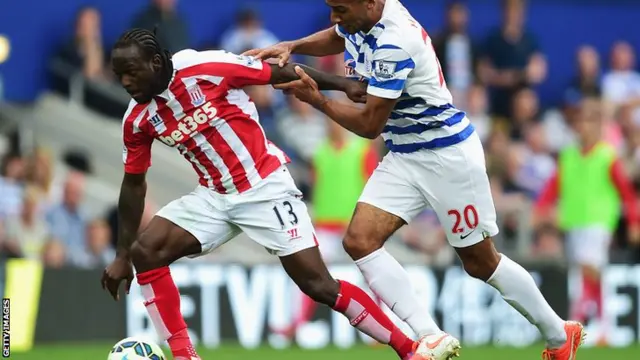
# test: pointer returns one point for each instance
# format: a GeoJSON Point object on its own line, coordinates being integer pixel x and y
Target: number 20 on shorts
{"type": "Point", "coordinates": [470, 216]}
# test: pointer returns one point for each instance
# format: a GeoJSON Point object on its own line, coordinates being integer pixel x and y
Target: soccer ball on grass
{"type": "Point", "coordinates": [134, 348]}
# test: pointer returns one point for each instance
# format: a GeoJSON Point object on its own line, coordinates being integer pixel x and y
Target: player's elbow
{"type": "Point", "coordinates": [373, 131]}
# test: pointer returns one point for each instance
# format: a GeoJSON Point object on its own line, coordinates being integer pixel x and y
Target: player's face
{"type": "Point", "coordinates": [352, 15]}
{"type": "Point", "coordinates": [138, 75]}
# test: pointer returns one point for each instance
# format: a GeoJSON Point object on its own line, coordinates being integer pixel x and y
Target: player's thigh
{"type": "Point", "coordinates": [202, 215]}
{"type": "Point", "coordinates": [274, 216]}
{"type": "Point", "coordinates": [388, 201]}
{"type": "Point", "coordinates": [589, 247]}
{"type": "Point", "coordinates": [456, 185]}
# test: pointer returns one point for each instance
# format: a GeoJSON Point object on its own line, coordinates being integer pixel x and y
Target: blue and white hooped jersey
{"type": "Point", "coordinates": [398, 60]}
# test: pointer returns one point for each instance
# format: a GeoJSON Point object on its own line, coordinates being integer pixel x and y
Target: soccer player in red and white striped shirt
{"type": "Point", "coordinates": [193, 101]}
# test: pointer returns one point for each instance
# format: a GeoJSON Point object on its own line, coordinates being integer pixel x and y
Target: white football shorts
{"type": "Point", "coordinates": [452, 180]}
{"type": "Point", "coordinates": [272, 214]}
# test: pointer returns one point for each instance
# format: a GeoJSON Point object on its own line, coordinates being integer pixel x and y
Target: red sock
{"type": "Point", "coordinates": [365, 315]}
{"type": "Point", "coordinates": [162, 301]}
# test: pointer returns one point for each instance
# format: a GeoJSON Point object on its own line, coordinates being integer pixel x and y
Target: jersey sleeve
{"type": "Point", "coordinates": [237, 70]}
{"type": "Point", "coordinates": [136, 152]}
{"type": "Point", "coordinates": [391, 67]}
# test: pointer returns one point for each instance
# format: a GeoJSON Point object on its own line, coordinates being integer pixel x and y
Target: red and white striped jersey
{"type": "Point", "coordinates": [207, 116]}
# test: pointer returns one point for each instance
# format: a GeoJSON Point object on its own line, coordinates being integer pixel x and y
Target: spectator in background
{"type": "Point", "coordinates": [248, 33]}
{"type": "Point", "coordinates": [587, 80]}
{"type": "Point", "coordinates": [537, 166]}
{"type": "Point", "coordinates": [172, 31]}
{"type": "Point", "coordinates": [302, 128]}
{"type": "Point", "coordinates": [40, 174]}
{"type": "Point", "coordinates": [547, 243]}
{"type": "Point", "coordinates": [621, 85]}
{"type": "Point", "coordinates": [54, 254]}
{"type": "Point", "coordinates": [28, 231]}
{"type": "Point", "coordinates": [525, 112]}
{"type": "Point", "coordinates": [511, 58]}
{"type": "Point", "coordinates": [85, 50]}
{"type": "Point", "coordinates": [66, 220]}
{"type": "Point", "coordinates": [11, 185]}
{"type": "Point", "coordinates": [98, 251]}
{"type": "Point", "coordinates": [456, 53]}
{"type": "Point", "coordinates": [478, 111]}
{"type": "Point", "coordinates": [591, 187]}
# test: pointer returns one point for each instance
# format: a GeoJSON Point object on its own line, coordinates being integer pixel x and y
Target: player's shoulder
{"type": "Point", "coordinates": [400, 33]}
{"type": "Point", "coordinates": [189, 57]}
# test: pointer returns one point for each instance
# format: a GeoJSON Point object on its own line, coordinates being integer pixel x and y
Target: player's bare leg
{"type": "Point", "coordinates": [369, 229]}
{"type": "Point", "coordinates": [309, 272]}
{"type": "Point", "coordinates": [518, 288]}
{"type": "Point", "coordinates": [159, 245]}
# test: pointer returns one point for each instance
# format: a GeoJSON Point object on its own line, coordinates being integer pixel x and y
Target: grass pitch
{"type": "Point", "coordinates": [100, 352]}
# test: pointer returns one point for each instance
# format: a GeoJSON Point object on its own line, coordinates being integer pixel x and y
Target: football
{"type": "Point", "coordinates": [134, 348]}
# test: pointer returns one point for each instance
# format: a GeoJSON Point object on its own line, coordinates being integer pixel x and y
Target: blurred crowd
{"type": "Point", "coordinates": [492, 77]}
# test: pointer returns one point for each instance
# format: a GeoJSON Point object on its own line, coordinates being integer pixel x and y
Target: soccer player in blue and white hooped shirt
{"type": "Point", "coordinates": [436, 159]}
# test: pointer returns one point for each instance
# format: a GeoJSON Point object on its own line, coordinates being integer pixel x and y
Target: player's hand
{"type": "Point", "coordinates": [120, 269]}
{"type": "Point", "coordinates": [356, 91]}
{"type": "Point", "coordinates": [281, 51]}
{"type": "Point", "coordinates": [305, 89]}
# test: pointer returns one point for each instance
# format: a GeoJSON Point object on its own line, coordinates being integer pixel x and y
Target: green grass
{"type": "Point", "coordinates": [99, 352]}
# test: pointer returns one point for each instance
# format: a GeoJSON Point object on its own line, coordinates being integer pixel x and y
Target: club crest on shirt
{"type": "Point", "coordinates": [384, 69]}
{"type": "Point", "coordinates": [196, 95]}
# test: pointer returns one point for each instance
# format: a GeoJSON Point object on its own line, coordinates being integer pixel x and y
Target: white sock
{"type": "Point", "coordinates": [390, 282]}
{"type": "Point", "coordinates": [519, 290]}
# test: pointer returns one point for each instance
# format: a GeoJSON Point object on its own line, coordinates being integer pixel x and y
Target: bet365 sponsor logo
{"type": "Point", "coordinates": [188, 125]}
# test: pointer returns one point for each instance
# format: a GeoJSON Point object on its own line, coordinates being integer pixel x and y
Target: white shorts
{"type": "Point", "coordinates": [452, 180]}
{"type": "Point", "coordinates": [589, 246]}
{"type": "Point", "coordinates": [272, 214]}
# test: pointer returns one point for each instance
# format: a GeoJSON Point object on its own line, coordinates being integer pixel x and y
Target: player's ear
{"type": "Point", "coordinates": [371, 4]}
{"type": "Point", "coordinates": [156, 62]}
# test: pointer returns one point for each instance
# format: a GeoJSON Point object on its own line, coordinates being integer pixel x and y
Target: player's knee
{"type": "Point", "coordinates": [481, 260]}
{"type": "Point", "coordinates": [324, 291]}
{"type": "Point", "coordinates": [358, 245]}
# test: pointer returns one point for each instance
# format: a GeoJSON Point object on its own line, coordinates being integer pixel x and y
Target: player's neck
{"type": "Point", "coordinates": [377, 16]}
{"type": "Point", "coordinates": [167, 75]}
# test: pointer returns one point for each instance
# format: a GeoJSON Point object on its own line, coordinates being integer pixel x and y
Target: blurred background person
{"type": "Point", "coordinates": [67, 220]}
{"type": "Point", "coordinates": [172, 30]}
{"type": "Point", "coordinates": [590, 187]}
{"type": "Point", "coordinates": [455, 50]}
{"type": "Point", "coordinates": [85, 50]}
{"type": "Point", "coordinates": [511, 58]}
{"type": "Point", "coordinates": [28, 231]}
{"type": "Point", "coordinates": [11, 185]}
{"type": "Point", "coordinates": [247, 33]}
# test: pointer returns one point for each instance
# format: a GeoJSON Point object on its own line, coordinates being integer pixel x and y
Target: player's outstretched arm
{"type": "Point", "coordinates": [355, 90]}
{"type": "Point", "coordinates": [322, 43]}
{"type": "Point", "coordinates": [367, 122]}
{"type": "Point", "coordinates": [130, 208]}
